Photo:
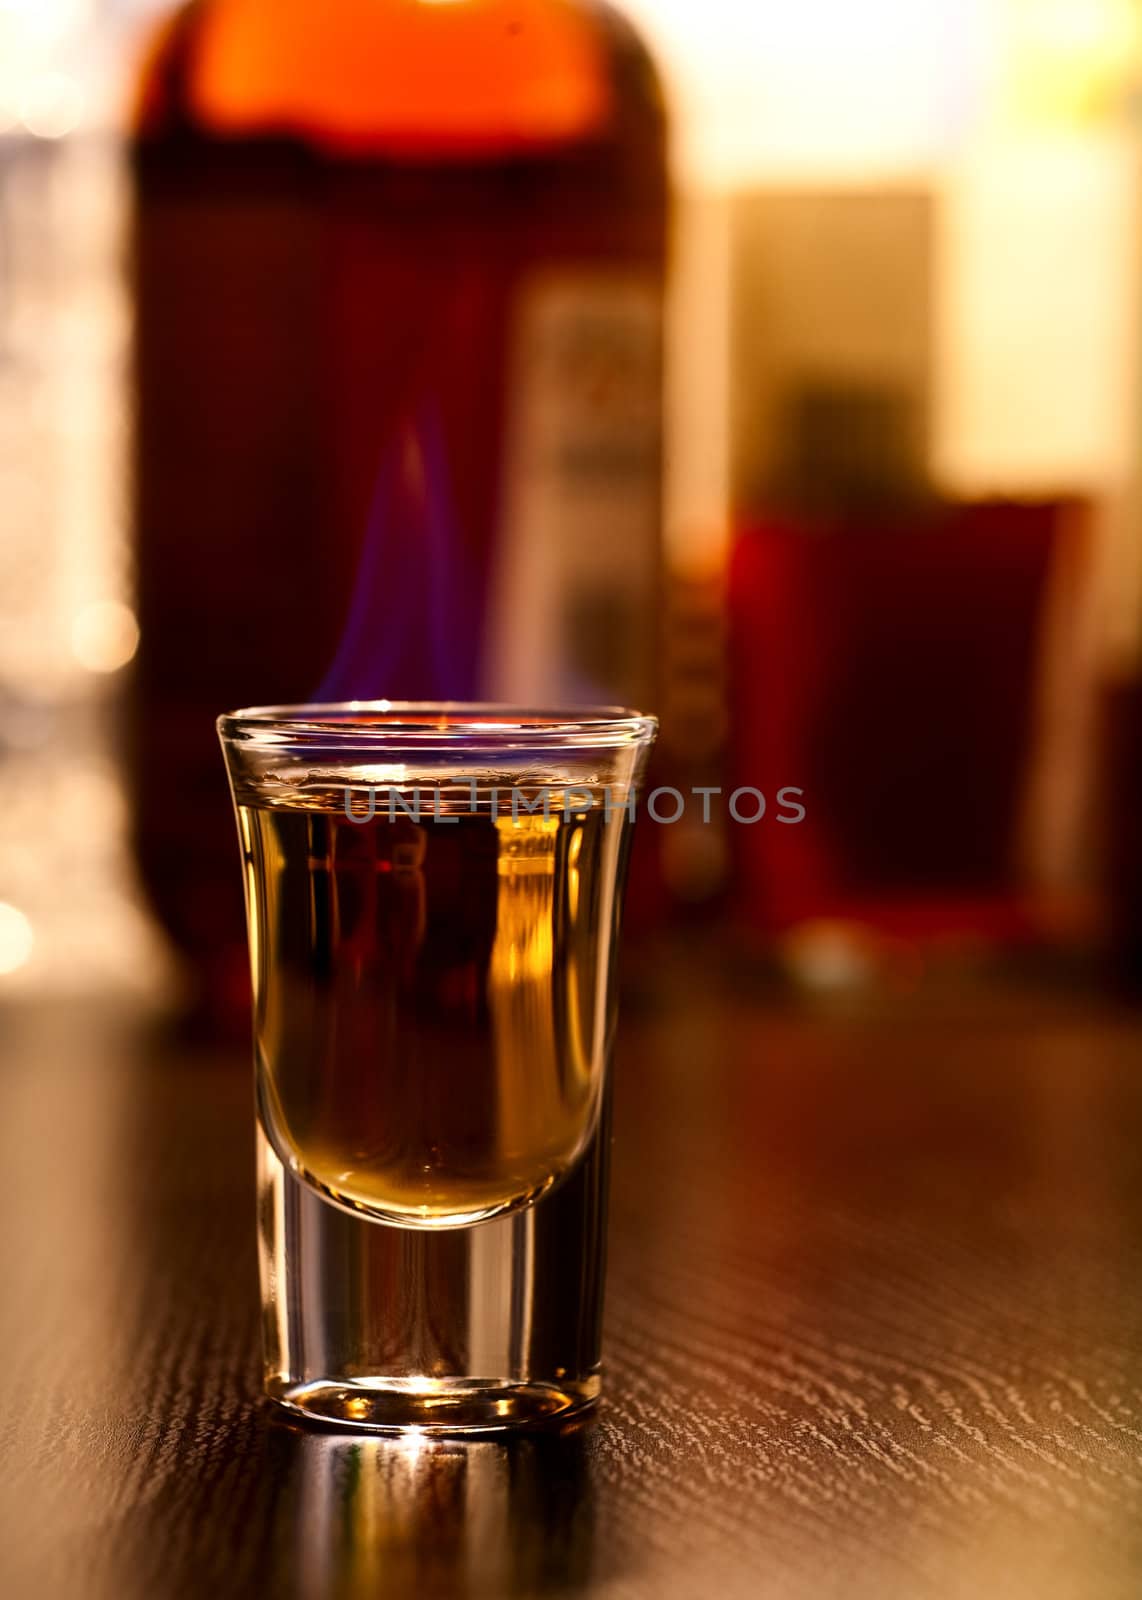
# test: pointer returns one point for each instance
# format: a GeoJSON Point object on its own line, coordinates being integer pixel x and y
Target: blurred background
{"type": "Point", "coordinates": [334, 346]}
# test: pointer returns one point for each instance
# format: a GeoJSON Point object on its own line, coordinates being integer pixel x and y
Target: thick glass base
{"type": "Point", "coordinates": [444, 1406]}
{"type": "Point", "coordinates": [380, 1328]}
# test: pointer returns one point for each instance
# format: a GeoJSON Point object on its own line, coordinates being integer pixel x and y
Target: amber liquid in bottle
{"type": "Point", "coordinates": [357, 224]}
{"type": "Point", "coordinates": [430, 1037]}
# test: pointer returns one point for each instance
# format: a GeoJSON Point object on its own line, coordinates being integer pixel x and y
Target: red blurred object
{"type": "Point", "coordinates": [890, 673]}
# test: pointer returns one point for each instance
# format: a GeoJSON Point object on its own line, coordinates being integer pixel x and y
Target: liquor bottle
{"type": "Point", "coordinates": [397, 271]}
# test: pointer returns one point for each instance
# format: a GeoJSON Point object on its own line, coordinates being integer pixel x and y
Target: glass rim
{"type": "Point", "coordinates": [380, 724]}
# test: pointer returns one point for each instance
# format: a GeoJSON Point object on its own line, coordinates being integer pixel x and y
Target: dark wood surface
{"type": "Point", "coordinates": [874, 1326]}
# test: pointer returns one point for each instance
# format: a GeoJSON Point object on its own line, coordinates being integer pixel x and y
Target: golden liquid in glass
{"type": "Point", "coordinates": [430, 1024]}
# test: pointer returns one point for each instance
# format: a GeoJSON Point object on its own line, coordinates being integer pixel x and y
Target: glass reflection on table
{"type": "Point", "coordinates": [419, 1516]}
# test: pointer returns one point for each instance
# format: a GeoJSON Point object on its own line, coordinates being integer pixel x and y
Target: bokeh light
{"type": "Point", "coordinates": [16, 939]}
{"type": "Point", "coordinates": [104, 636]}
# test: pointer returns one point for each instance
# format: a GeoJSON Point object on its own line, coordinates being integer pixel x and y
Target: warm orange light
{"type": "Point", "coordinates": [472, 74]}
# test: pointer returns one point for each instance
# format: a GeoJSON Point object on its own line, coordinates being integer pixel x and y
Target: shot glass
{"type": "Point", "coordinates": [434, 897]}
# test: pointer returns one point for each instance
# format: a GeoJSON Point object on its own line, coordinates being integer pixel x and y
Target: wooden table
{"type": "Point", "coordinates": [874, 1326]}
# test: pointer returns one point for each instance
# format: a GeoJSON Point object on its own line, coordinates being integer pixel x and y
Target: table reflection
{"type": "Point", "coordinates": [419, 1516]}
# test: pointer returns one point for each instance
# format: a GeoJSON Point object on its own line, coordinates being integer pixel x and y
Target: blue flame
{"type": "Point", "coordinates": [414, 627]}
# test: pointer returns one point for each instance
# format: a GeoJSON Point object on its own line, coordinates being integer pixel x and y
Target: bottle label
{"type": "Point", "coordinates": [574, 597]}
